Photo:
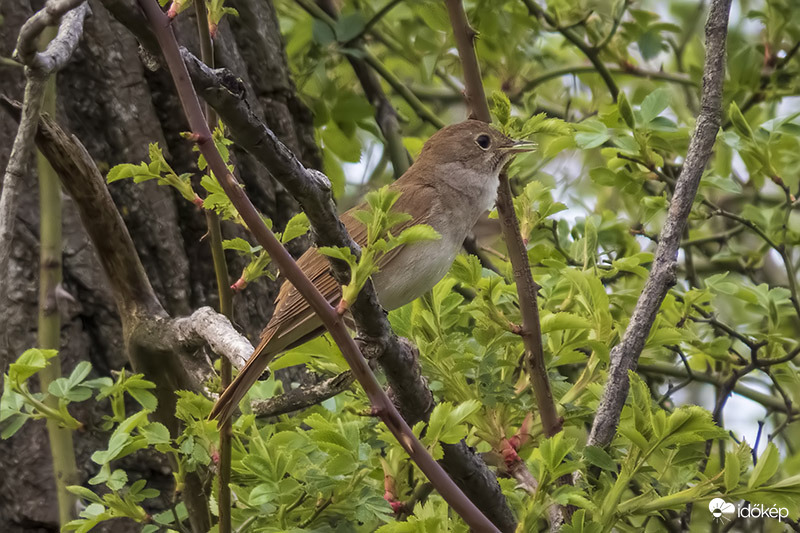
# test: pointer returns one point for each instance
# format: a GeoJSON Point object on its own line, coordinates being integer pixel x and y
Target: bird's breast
{"type": "Point", "coordinates": [414, 271]}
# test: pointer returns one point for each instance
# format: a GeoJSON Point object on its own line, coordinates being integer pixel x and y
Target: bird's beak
{"type": "Point", "coordinates": [519, 147]}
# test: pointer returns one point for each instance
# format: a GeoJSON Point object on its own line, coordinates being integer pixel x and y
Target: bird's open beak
{"type": "Point", "coordinates": [519, 147]}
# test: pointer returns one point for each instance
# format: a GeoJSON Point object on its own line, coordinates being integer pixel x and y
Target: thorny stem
{"type": "Point", "coordinates": [377, 397]}
{"type": "Point", "coordinates": [65, 469]}
{"type": "Point", "coordinates": [526, 287]}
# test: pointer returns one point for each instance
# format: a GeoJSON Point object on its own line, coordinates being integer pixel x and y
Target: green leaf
{"type": "Point", "coordinates": [653, 104]}
{"type": "Point", "coordinates": [62, 388]}
{"type": "Point", "coordinates": [739, 122]}
{"type": "Point", "coordinates": [80, 372]}
{"type": "Point", "coordinates": [240, 245]}
{"type": "Point", "coordinates": [603, 176]}
{"type": "Point", "coordinates": [650, 44]}
{"type": "Point", "coordinates": [146, 399]}
{"type": "Point", "coordinates": [765, 468]}
{"type": "Point", "coordinates": [29, 363]}
{"type": "Point", "coordinates": [732, 471]}
{"type": "Point", "coordinates": [14, 425]}
{"type": "Point", "coordinates": [625, 110]}
{"type": "Point", "coordinates": [600, 458]}
{"type": "Point", "coordinates": [349, 26]}
{"type": "Point", "coordinates": [83, 492]}
{"type": "Point", "coordinates": [156, 433]}
{"type": "Point", "coordinates": [564, 321]}
{"type": "Point", "coordinates": [501, 107]}
{"type": "Point", "coordinates": [339, 252]}
{"type": "Point", "coordinates": [298, 225]}
{"type": "Point", "coordinates": [591, 134]}
{"type": "Point", "coordinates": [418, 233]}
{"type": "Point", "coordinates": [117, 479]}
{"type": "Point", "coordinates": [347, 148]}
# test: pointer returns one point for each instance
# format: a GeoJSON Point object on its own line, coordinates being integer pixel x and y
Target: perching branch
{"type": "Point", "coordinates": [625, 355]}
{"type": "Point", "coordinates": [526, 288]}
{"type": "Point", "coordinates": [381, 404]}
{"type": "Point", "coordinates": [224, 92]}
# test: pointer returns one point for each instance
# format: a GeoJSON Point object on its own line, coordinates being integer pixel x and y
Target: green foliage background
{"type": "Point", "coordinates": [591, 202]}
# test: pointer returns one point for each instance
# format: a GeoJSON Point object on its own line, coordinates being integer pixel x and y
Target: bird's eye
{"type": "Point", "coordinates": [483, 141]}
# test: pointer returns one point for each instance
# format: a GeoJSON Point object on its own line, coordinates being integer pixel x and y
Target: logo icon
{"type": "Point", "coordinates": [719, 508]}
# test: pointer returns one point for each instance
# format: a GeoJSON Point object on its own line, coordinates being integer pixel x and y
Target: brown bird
{"type": "Point", "coordinates": [451, 184]}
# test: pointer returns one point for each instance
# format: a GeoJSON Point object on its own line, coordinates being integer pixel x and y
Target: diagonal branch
{"type": "Point", "coordinates": [625, 355]}
{"type": "Point", "coordinates": [382, 406]}
{"type": "Point", "coordinates": [397, 357]}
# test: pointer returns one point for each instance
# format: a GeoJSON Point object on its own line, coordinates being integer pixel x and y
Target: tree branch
{"type": "Point", "coordinates": [385, 113]}
{"type": "Point", "coordinates": [60, 49]}
{"type": "Point", "coordinates": [767, 400]}
{"type": "Point", "coordinates": [625, 355]}
{"type": "Point", "coordinates": [381, 404]}
{"type": "Point", "coordinates": [207, 327]}
{"type": "Point", "coordinates": [592, 54]}
{"type": "Point", "coordinates": [303, 397]}
{"type": "Point", "coordinates": [526, 287]}
{"type": "Point", "coordinates": [591, 69]}
{"type": "Point", "coordinates": [310, 188]}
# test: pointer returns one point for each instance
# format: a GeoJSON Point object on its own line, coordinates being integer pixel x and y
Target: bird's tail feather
{"type": "Point", "coordinates": [247, 377]}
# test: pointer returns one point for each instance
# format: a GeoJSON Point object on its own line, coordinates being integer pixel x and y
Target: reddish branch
{"type": "Point", "coordinates": [382, 406]}
{"type": "Point", "coordinates": [531, 332]}
{"type": "Point", "coordinates": [625, 355]}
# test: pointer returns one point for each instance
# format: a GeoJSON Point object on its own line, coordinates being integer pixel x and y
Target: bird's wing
{"type": "Point", "coordinates": [291, 309]}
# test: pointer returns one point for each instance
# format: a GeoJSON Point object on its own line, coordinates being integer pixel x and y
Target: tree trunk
{"type": "Point", "coordinates": [116, 107]}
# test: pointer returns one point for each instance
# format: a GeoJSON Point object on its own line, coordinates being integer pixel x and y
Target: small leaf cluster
{"type": "Point", "coordinates": [379, 219]}
{"type": "Point", "coordinates": [158, 169]}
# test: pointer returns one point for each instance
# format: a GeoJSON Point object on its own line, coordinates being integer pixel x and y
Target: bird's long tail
{"type": "Point", "coordinates": [247, 377]}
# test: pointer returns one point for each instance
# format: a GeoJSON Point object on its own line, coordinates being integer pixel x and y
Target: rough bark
{"type": "Point", "coordinates": [116, 107]}
{"type": "Point", "coordinates": [625, 355]}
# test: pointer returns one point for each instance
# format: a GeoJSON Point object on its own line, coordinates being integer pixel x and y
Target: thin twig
{"type": "Point", "coordinates": [39, 65]}
{"type": "Point", "coordinates": [60, 49]}
{"type": "Point", "coordinates": [591, 54]}
{"type": "Point", "coordinates": [590, 69]}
